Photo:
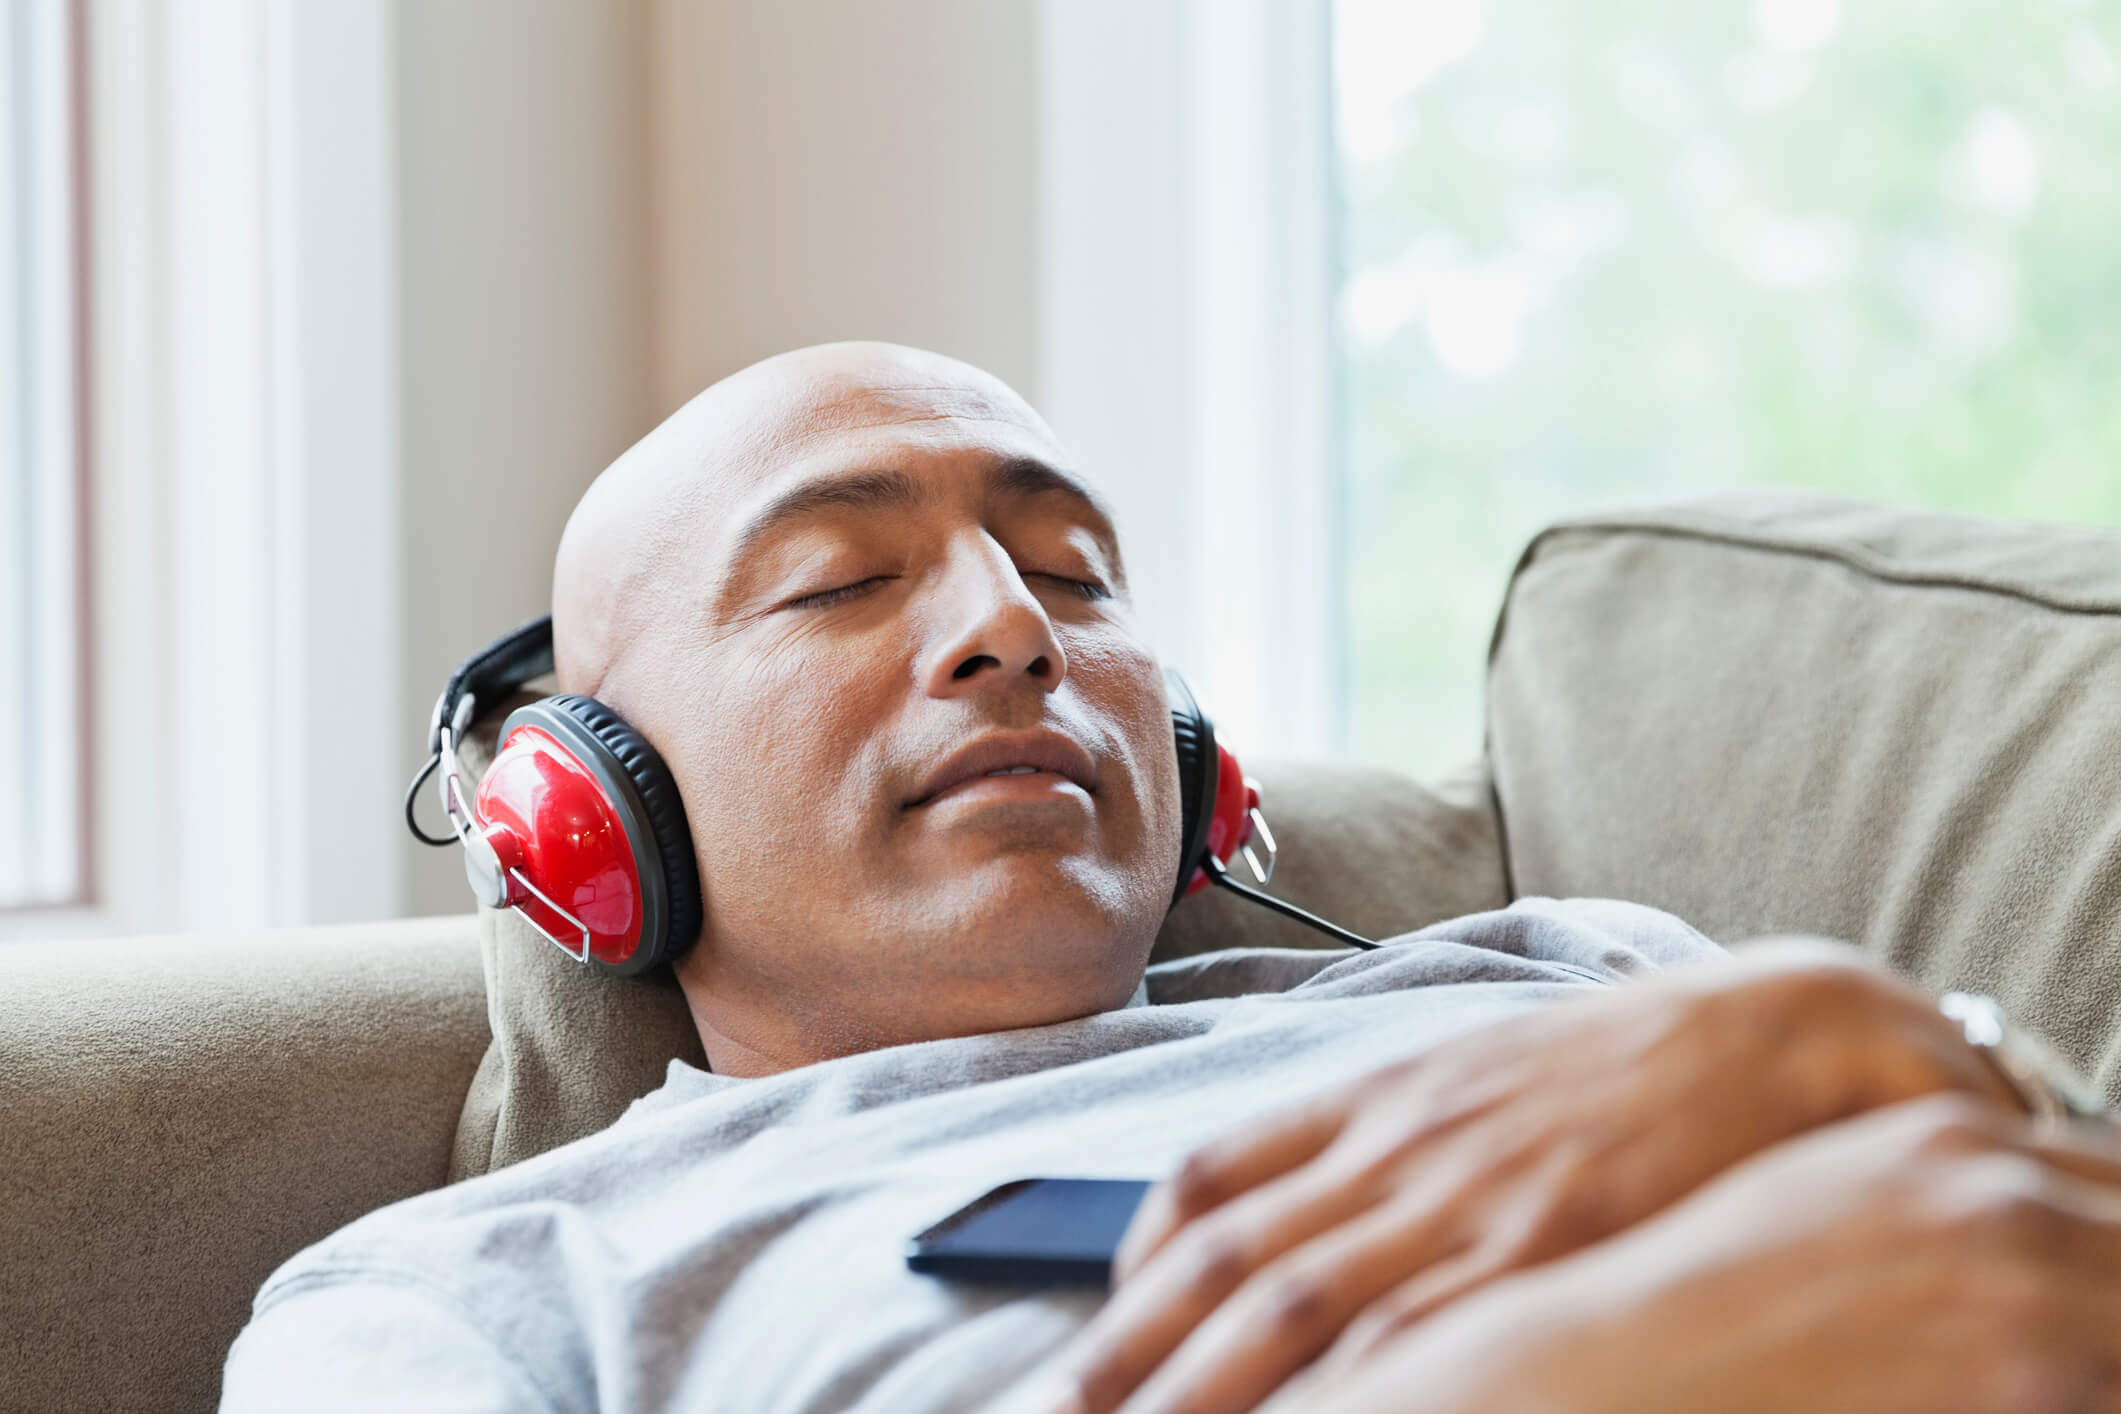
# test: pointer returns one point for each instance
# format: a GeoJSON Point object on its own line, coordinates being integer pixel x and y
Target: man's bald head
{"type": "Point", "coordinates": [647, 507]}
{"type": "Point", "coordinates": [879, 632]}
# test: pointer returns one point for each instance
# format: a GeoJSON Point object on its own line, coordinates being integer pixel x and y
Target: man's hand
{"type": "Point", "coordinates": [1504, 1147]}
{"type": "Point", "coordinates": [1929, 1258]}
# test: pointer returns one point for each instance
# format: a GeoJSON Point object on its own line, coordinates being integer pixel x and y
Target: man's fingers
{"type": "Point", "coordinates": [1215, 1173]}
{"type": "Point", "coordinates": [1417, 1297]}
{"type": "Point", "coordinates": [2086, 1148]}
{"type": "Point", "coordinates": [1298, 1395]}
{"type": "Point", "coordinates": [2071, 1319]}
{"type": "Point", "coordinates": [1291, 1310]}
{"type": "Point", "coordinates": [1150, 1316]}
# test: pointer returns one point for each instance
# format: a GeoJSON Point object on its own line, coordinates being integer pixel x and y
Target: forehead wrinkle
{"type": "Point", "coordinates": [855, 413]}
{"type": "Point", "coordinates": [967, 392]}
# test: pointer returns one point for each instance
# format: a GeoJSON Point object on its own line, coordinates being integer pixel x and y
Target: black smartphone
{"type": "Point", "coordinates": [1033, 1232]}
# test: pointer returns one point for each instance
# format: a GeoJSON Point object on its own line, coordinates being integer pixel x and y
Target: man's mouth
{"type": "Point", "coordinates": [1004, 756]}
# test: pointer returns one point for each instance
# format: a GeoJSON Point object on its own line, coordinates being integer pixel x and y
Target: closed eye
{"type": "Point", "coordinates": [1085, 588]}
{"type": "Point", "coordinates": [825, 598]}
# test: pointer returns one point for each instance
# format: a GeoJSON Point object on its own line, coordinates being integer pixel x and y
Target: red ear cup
{"type": "Point", "coordinates": [551, 821]}
{"type": "Point", "coordinates": [577, 823]}
{"type": "Point", "coordinates": [1230, 821]}
{"type": "Point", "coordinates": [593, 814]}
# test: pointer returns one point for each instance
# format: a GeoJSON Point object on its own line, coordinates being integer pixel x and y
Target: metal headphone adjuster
{"type": "Point", "coordinates": [1265, 837]}
{"type": "Point", "coordinates": [489, 878]}
{"type": "Point", "coordinates": [1219, 873]}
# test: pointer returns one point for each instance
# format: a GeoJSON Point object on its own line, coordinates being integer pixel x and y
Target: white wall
{"type": "Point", "coordinates": [525, 356]}
{"type": "Point", "coordinates": [831, 169]}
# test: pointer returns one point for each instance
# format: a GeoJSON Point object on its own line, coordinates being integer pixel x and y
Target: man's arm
{"type": "Point", "coordinates": [369, 1346]}
{"type": "Point", "coordinates": [1498, 1149]}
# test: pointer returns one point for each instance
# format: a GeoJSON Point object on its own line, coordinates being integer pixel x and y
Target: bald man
{"type": "Point", "coordinates": [881, 558]}
{"type": "Point", "coordinates": [879, 629]}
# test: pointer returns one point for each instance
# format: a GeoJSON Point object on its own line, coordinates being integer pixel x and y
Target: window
{"type": "Point", "coordinates": [1598, 252]}
{"type": "Point", "coordinates": [40, 604]}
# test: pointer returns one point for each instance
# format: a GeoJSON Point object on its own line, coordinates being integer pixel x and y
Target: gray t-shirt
{"type": "Point", "coordinates": [738, 1244]}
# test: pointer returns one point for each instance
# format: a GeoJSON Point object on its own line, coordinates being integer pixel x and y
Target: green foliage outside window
{"type": "Point", "coordinates": [1611, 251]}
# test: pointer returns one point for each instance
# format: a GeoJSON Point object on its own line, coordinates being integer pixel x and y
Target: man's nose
{"type": "Point", "coordinates": [995, 632]}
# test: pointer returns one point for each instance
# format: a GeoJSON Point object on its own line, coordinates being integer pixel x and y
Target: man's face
{"type": "Point", "coordinates": [926, 759]}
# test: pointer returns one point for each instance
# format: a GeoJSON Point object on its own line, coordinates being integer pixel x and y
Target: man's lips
{"type": "Point", "coordinates": [1048, 752]}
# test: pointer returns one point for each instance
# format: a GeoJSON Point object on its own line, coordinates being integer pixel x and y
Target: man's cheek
{"type": "Point", "coordinates": [1121, 683]}
{"type": "Point", "coordinates": [771, 826]}
{"type": "Point", "coordinates": [796, 772]}
{"type": "Point", "coordinates": [779, 766]}
{"type": "Point", "coordinates": [794, 696]}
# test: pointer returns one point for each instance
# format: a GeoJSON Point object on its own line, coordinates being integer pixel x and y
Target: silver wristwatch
{"type": "Point", "coordinates": [2048, 1085]}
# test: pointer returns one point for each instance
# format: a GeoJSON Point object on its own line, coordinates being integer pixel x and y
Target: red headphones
{"type": "Point", "coordinates": [577, 823]}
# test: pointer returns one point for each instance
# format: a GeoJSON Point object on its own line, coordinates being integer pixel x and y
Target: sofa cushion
{"type": "Point", "coordinates": [1774, 712]}
{"type": "Point", "coordinates": [180, 1115]}
{"type": "Point", "coordinates": [571, 1049]}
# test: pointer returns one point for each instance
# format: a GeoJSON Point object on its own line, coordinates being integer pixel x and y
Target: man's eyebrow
{"type": "Point", "coordinates": [1028, 476]}
{"type": "Point", "coordinates": [862, 491]}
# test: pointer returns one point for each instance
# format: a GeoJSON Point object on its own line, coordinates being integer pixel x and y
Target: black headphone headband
{"type": "Point", "coordinates": [493, 672]}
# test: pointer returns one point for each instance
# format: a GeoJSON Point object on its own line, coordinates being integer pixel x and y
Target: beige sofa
{"type": "Point", "coordinates": [1765, 712]}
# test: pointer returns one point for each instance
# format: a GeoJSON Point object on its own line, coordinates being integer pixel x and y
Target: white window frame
{"type": "Point", "coordinates": [42, 610]}
{"type": "Point", "coordinates": [244, 526]}
{"type": "Point", "coordinates": [1187, 352]}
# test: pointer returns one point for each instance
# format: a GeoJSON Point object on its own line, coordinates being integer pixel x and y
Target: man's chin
{"type": "Point", "coordinates": [1034, 914]}
{"type": "Point", "coordinates": [1050, 825]}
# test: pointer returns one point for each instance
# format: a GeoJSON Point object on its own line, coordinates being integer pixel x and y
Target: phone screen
{"type": "Point", "coordinates": [1033, 1232]}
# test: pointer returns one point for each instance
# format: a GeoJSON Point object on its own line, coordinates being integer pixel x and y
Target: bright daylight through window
{"type": "Point", "coordinates": [40, 805]}
{"type": "Point", "coordinates": [1618, 250]}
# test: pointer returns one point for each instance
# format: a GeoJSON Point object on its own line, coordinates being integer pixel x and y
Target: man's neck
{"type": "Point", "coordinates": [771, 1045]}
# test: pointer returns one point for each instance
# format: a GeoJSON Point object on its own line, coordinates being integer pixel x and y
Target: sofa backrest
{"type": "Point", "coordinates": [1774, 712]}
{"type": "Point", "coordinates": [179, 1115]}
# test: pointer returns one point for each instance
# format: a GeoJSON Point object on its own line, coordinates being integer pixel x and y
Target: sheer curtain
{"type": "Point", "coordinates": [1186, 319]}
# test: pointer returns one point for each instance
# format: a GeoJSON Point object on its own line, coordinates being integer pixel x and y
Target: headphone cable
{"type": "Point", "coordinates": [1221, 875]}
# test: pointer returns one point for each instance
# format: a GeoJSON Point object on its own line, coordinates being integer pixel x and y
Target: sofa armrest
{"type": "Point", "coordinates": [179, 1115]}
